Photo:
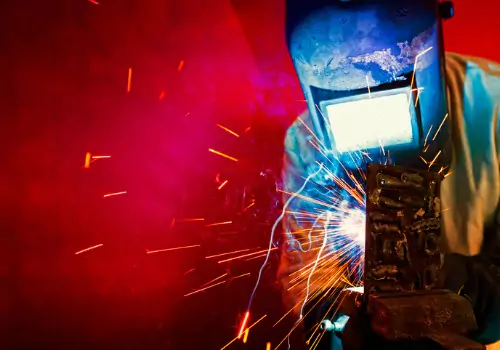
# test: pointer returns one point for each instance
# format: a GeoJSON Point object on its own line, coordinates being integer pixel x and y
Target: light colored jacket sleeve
{"type": "Point", "coordinates": [470, 195]}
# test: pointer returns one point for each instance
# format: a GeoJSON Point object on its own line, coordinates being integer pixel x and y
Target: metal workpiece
{"type": "Point", "coordinates": [403, 230]}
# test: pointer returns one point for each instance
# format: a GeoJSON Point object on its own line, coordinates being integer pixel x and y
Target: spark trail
{"type": "Point", "coordinates": [273, 230]}
{"type": "Point", "coordinates": [323, 246]}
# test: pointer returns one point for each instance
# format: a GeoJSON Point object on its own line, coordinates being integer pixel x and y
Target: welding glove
{"type": "Point", "coordinates": [477, 279]}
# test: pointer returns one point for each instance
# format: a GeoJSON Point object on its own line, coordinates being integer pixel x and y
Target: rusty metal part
{"type": "Point", "coordinates": [441, 316]}
{"type": "Point", "coordinates": [382, 218]}
{"type": "Point", "coordinates": [412, 178]}
{"type": "Point", "coordinates": [391, 203]}
{"type": "Point", "coordinates": [403, 229]}
{"type": "Point", "coordinates": [384, 228]}
{"type": "Point", "coordinates": [383, 271]}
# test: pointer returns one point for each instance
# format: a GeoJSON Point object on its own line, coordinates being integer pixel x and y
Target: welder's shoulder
{"type": "Point", "coordinates": [298, 149]}
{"type": "Point", "coordinates": [460, 62]}
{"type": "Point", "coordinates": [465, 70]}
{"type": "Point", "coordinates": [299, 132]}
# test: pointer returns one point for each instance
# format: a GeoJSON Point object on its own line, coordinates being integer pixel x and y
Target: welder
{"type": "Point", "coordinates": [379, 88]}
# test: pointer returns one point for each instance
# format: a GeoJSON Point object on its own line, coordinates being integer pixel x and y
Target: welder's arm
{"type": "Point", "coordinates": [296, 256]}
{"type": "Point", "coordinates": [477, 279]}
{"type": "Point", "coordinates": [292, 259]}
{"type": "Point", "coordinates": [474, 86]}
{"type": "Point", "coordinates": [301, 238]}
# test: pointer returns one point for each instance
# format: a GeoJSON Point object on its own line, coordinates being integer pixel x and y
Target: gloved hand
{"type": "Point", "coordinates": [477, 279]}
{"type": "Point", "coordinates": [335, 325]}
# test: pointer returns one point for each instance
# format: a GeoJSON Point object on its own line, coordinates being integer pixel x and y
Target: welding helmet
{"type": "Point", "coordinates": [372, 73]}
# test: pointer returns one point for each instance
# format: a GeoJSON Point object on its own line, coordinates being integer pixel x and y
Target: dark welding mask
{"type": "Point", "coordinates": [372, 73]}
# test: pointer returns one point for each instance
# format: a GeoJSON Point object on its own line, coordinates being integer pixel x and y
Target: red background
{"type": "Point", "coordinates": [63, 93]}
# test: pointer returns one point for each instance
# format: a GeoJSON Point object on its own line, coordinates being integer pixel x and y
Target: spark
{"type": "Point", "coordinates": [316, 342]}
{"type": "Point", "coordinates": [203, 289]}
{"type": "Point", "coordinates": [223, 184]}
{"type": "Point", "coordinates": [243, 324]}
{"type": "Point", "coordinates": [247, 129]}
{"type": "Point", "coordinates": [236, 277]}
{"type": "Point", "coordinates": [440, 126]}
{"type": "Point", "coordinates": [87, 249]}
{"type": "Point", "coordinates": [89, 159]}
{"type": "Point", "coordinates": [416, 62]}
{"type": "Point", "coordinates": [172, 223]}
{"type": "Point", "coordinates": [222, 155]}
{"type": "Point", "coordinates": [435, 158]}
{"type": "Point", "coordinates": [180, 66]}
{"type": "Point", "coordinates": [245, 336]}
{"type": "Point", "coordinates": [368, 85]}
{"type": "Point", "coordinates": [216, 284]}
{"type": "Point", "coordinates": [256, 257]}
{"type": "Point", "coordinates": [247, 255]}
{"type": "Point", "coordinates": [268, 346]}
{"type": "Point", "coordinates": [328, 289]}
{"type": "Point", "coordinates": [215, 279]}
{"type": "Point", "coordinates": [88, 156]}
{"type": "Point", "coordinates": [448, 174]}
{"type": "Point", "coordinates": [94, 2]}
{"type": "Point", "coordinates": [249, 206]}
{"type": "Point", "coordinates": [114, 194]}
{"type": "Point", "coordinates": [189, 271]}
{"type": "Point", "coordinates": [285, 315]}
{"type": "Point", "coordinates": [190, 220]}
{"type": "Point", "coordinates": [228, 130]}
{"type": "Point", "coordinates": [171, 249]}
{"type": "Point", "coordinates": [219, 223]}
{"type": "Point", "coordinates": [325, 239]}
{"type": "Point", "coordinates": [129, 80]}
{"type": "Point", "coordinates": [250, 327]}
{"type": "Point", "coordinates": [229, 253]}
{"type": "Point", "coordinates": [162, 95]}
{"type": "Point", "coordinates": [418, 96]}
{"type": "Point", "coordinates": [427, 136]}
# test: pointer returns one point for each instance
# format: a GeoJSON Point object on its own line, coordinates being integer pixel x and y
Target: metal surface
{"type": "Point", "coordinates": [438, 315]}
{"type": "Point", "coordinates": [403, 230]}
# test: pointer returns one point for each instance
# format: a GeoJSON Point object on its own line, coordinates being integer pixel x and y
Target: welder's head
{"type": "Point", "coordinates": [371, 71]}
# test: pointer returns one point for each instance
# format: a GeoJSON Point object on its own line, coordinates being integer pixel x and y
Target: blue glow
{"type": "Point", "coordinates": [346, 223]}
